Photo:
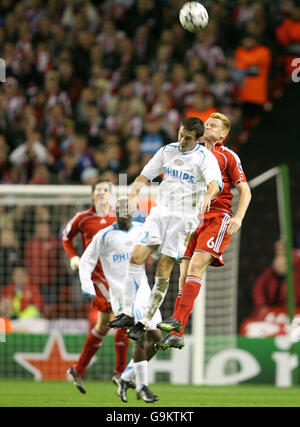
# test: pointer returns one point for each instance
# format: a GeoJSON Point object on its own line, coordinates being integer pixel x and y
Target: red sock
{"type": "Point", "coordinates": [121, 349]}
{"type": "Point", "coordinates": [91, 345]}
{"type": "Point", "coordinates": [185, 306]}
{"type": "Point", "coordinates": [177, 301]}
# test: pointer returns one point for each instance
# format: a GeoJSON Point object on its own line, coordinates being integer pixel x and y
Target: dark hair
{"type": "Point", "coordinates": [193, 123]}
{"type": "Point", "coordinates": [100, 181]}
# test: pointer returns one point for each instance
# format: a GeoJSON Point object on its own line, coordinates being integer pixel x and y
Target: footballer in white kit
{"type": "Point", "coordinates": [191, 179]}
{"type": "Point", "coordinates": [114, 247]}
{"type": "Point", "coordinates": [171, 223]}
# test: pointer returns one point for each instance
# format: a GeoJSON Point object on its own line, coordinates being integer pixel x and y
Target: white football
{"type": "Point", "coordinates": [193, 16]}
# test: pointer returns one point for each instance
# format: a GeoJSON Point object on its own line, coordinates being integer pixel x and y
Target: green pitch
{"type": "Point", "coordinates": [27, 393]}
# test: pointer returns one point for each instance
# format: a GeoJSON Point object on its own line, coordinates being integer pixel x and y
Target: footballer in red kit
{"type": "Point", "coordinates": [87, 224]}
{"type": "Point", "coordinates": [214, 233]}
{"type": "Point", "coordinates": [211, 236]}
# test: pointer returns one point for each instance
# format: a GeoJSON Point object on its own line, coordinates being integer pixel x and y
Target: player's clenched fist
{"type": "Point", "coordinates": [74, 263]}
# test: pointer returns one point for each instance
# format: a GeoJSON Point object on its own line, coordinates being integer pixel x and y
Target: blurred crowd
{"type": "Point", "coordinates": [94, 88]}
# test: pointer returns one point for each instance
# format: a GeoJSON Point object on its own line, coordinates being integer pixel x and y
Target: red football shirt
{"type": "Point", "coordinates": [86, 223]}
{"type": "Point", "coordinates": [232, 173]}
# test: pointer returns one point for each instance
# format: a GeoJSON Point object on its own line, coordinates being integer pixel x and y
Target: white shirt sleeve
{"type": "Point", "coordinates": [88, 262]}
{"type": "Point", "coordinates": [155, 166]}
{"type": "Point", "coordinates": [210, 170]}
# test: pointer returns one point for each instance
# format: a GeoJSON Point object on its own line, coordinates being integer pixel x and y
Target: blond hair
{"type": "Point", "coordinates": [226, 122]}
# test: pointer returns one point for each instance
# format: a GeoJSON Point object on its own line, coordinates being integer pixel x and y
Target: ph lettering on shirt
{"type": "Point", "coordinates": [120, 257]}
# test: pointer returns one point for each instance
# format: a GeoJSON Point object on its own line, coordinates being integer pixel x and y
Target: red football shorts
{"type": "Point", "coordinates": [101, 303]}
{"type": "Point", "coordinates": [211, 237]}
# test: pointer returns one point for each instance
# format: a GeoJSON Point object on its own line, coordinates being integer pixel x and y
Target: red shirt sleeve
{"type": "Point", "coordinates": [69, 233]}
{"type": "Point", "coordinates": [234, 168]}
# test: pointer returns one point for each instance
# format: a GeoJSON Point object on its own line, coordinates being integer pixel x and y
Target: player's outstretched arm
{"type": "Point", "coordinates": [212, 190]}
{"type": "Point", "coordinates": [87, 265]}
{"type": "Point", "coordinates": [138, 184]}
{"type": "Point", "coordinates": [235, 223]}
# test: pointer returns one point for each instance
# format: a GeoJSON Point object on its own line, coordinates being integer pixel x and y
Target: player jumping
{"type": "Point", "coordinates": [213, 235]}
{"type": "Point", "coordinates": [114, 246]}
{"type": "Point", "coordinates": [191, 176]}
{"type": "Point", "coordinates": [87, 224]}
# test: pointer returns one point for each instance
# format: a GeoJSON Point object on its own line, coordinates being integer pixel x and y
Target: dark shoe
{"type": "Point", "coordinates": [147, 395]}
{"type": "Point", "coordinates": [78, 380]}
{"type": "Point", "coordinates": [137, 332]}
{"type": "Point", "coordinates": [116, 378]}
{"type": "Point", "coordinates": [169, 325]}
{"type": "Point", "coordinates": [170, 341]}
{"type": "Point", "coordinates": [123, 386]}
{"type": "Point", "coordinates": [122, 321]}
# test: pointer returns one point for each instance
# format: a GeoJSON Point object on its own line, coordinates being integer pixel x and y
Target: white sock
{"type": "Point", "coordinates": [157, 296]}
{"type": "Point", "coordinates": [141, 374]}
{"type": "Point", "coordinates": [129, 372]}
{"type": "Point", "coordinates": [131, 286]}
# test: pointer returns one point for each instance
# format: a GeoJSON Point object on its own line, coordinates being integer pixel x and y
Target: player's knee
{"type": "Point", "coordinates": [196, 269]}
{"type": "Point", "coordinates": [101, 327]}
{"type": "Point", "coordinates": [164, 267]}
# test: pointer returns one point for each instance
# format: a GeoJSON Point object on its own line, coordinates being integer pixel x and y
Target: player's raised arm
{"type": "Point", "coordinates": [235, 222]}
{"type": "Point", "coordinates": [137, 185]}
{"type": "Point", "coordinates": [87, 265]}
{"type": "Point", "coordinates": [69, 233]}
{"type": "Point", "coordinates": [152, 170]}
{"type": "Point", "coordinates": [212, 190]}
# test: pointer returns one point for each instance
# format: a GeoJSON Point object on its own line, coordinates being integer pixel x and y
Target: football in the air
{"type": "Point", "coordinates": [193, 16]}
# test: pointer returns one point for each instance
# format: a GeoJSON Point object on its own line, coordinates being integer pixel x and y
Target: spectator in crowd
{"type": "Point", "coordinates": [201, 107]}
{"type": "Point", "coordinates": [89, 176]}
{"type": "Point", "coordinates": [132, 158]}
{"type": "Point", "coordinates": [253, 60]}
{"type": "Point", "coordinates": [207, 48]}
{"type": "Point", "coordinates": [153, 136]}
{"type": "Point", "coordinates": [288, 36]}
{"type": "Point", "coordinates": [29, 154]}
{"type": "Point", "coordinates": [4, 161]}
{"type": "Point", "coordinates": [10, 255]}
{"type": "Point", "coordinates": [42, 260]}
{"type": "Point", "coordinates": [21, 298]}
{"type": "Point", "coordinates": [81, 151]}
{"type": "Point", "coordinates": [93, 124]}
{"type": "Point", "coordinates": [106, 66]}
{"type": "Point", "coordinates": [222, 88]}
{"type": "Point", "coordinates": [270, 288]}
{"type": "Point", "coordinates": [164, 107]}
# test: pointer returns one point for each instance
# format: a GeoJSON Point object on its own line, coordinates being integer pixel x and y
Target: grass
{"type": "Point", "coordinates": [27, 393]}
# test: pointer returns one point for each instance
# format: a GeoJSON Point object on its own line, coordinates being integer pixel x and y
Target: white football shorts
{"type": "Point", "coordinates": [170, 231]}
{"type": "Point", "coordinates": [140, 305]}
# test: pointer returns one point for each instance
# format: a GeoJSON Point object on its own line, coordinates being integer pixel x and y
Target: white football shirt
{"type": "Point", "coordinates": [186, 177]}
{"type": "Point", "coordinates": [114, 247]}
